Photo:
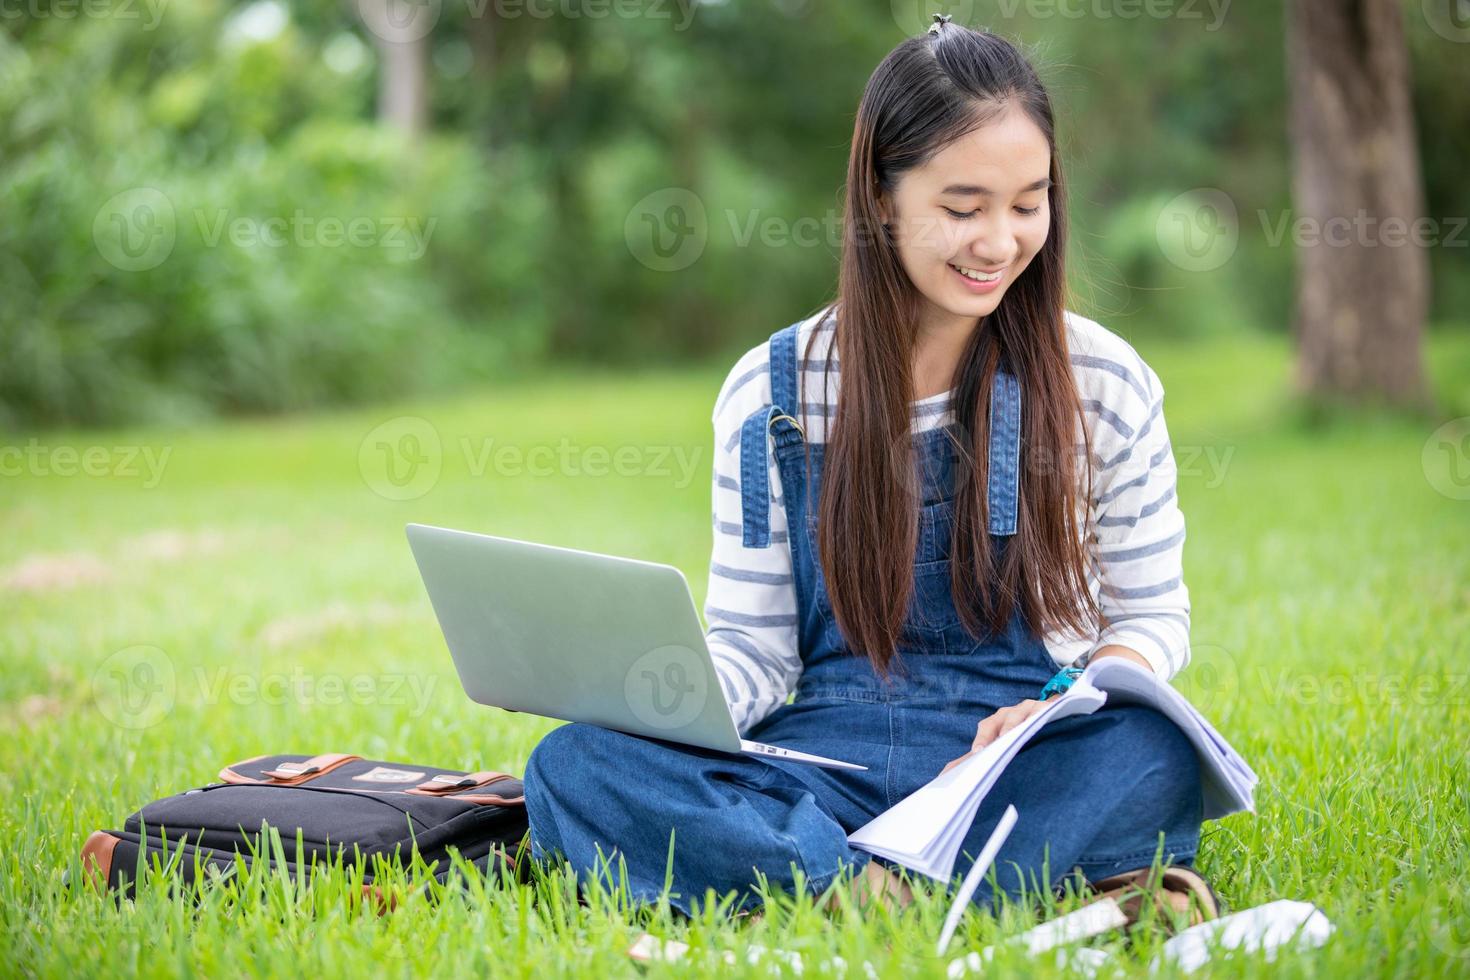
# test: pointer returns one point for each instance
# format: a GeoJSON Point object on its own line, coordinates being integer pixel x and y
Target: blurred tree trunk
{"type": "Point", "coordinates": [1363, 283]}
{"type": "Point", "coordinates": [483, 36]}
{"type": "Point", "coordinates": [401, 30]}
{"type": "Point", "coordinates": [697, 322]}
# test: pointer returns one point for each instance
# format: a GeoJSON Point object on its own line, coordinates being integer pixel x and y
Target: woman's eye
{"type": "Point", "coordinates": [966, 215]}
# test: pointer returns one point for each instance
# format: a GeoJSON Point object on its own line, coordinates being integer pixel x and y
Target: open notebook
{"type": "Point", "coordinates": [925, 830]}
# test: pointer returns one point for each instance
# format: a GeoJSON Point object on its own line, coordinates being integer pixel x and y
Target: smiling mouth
{"type": "Point", "coordinates": [978, 275]}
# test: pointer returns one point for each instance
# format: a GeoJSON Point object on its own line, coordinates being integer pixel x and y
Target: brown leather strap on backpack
{"type": "Point", "coordinates": [97, 855]}
{"type": "Point", "coordinates": [448, 782]}
{"type": "Point", "coordinates": [288, 773]}
{"type": "Point", "coordinates": [294, 772]}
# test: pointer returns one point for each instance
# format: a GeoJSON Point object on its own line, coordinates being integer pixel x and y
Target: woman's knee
{"type": "Point", "coordinates": [566, 780]}
{"type": "Point", "coordinates": [571, 739]}
{"type": "Point", "coordinates": [1146, 737]}
{"type": "Point", "coordinates": [575, 751]}
{"type": "Point", "coordinates": [1163, 765]}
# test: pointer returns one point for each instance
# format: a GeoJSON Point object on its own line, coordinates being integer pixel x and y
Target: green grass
{"type": "Point", "coordinates": [1329, 583]}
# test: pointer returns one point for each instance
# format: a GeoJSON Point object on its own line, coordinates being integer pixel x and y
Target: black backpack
{"type": "Point", "coordinates": [339, 805]}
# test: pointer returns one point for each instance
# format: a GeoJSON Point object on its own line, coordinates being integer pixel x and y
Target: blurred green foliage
{"type": "Point", "coordinates": [200, 213]}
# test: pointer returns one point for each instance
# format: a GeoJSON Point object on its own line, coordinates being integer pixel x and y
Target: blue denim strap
{"type": "Point", "coordinates": [755, 432]}
{"type": "Point", "coordinates": [1003, 489]}
{"type": "Point", "coordinates": [1005, 453]}
{"type": "Point", "coordinates": [783, 369]}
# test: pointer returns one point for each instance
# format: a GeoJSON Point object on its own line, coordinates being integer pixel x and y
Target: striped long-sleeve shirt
{"type": "Point", "coordinates": [1134, 533]}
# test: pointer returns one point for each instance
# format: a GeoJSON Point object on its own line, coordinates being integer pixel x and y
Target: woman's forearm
{"type": "Point", "coordinates": [1114, 650]}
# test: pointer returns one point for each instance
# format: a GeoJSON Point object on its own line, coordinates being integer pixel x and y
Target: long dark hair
{"type": "Point", "coordinates": [929, 91]}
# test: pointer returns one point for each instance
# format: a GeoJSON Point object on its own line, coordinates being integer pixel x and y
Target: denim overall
{"type": "Point", "coordinates": [1092, 791]}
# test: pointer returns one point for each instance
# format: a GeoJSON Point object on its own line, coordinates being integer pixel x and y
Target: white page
{"type": "Point", "coordinates": [1283, 924]}
{"type": "Point", "coordinates": [931, 813]}
{"type": "Point", "coordinates": [924, 830]}
{"type": "Point", "coordinates": [1228, 781]}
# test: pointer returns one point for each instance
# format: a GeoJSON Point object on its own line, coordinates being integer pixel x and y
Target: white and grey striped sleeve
{"type": "Point", "coordinates": [1137, 545]}
{"type": "Point", "coordinates": [750, 606]}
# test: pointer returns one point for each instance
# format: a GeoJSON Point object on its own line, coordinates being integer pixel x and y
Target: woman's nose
{"type": "Point", "coordinates": [993, 245]}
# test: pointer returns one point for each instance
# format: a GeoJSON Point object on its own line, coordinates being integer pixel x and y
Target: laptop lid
{"type": "Point", "coordinates": [575, 635]}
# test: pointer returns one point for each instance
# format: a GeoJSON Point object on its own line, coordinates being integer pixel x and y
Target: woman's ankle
{"type": "Point", "coordinates": [876, 884]}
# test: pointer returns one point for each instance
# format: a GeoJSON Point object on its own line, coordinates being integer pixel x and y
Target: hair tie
{"type": "Point", "coordinates": [939, 21]}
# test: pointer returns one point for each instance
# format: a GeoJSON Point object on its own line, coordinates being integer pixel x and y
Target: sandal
{"type": "Point", "coordinates": [1178, 891]}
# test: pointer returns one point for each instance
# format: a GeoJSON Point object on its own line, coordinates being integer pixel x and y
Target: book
{"type": "Point", "coordinates": [924, 831]}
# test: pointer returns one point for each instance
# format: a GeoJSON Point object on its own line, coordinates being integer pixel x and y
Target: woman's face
{"type": "Point", "coordinates": [969, 221]}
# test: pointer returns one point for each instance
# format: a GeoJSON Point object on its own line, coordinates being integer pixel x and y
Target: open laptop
{"type": "Point", "coordinates": [575, 635]}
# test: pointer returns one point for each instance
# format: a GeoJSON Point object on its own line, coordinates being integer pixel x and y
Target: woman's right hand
{"type": "Point", "coordinates": [994, 725]}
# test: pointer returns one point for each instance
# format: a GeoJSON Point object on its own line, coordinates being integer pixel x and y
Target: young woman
{"type": "Point", "coordinates": [986, 497]}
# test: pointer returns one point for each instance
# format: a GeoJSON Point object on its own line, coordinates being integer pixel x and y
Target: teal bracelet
{"type": "Point", "coordinates": [1060, 682]}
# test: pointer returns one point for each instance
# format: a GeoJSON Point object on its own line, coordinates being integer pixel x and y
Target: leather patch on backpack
{"type": "Point", "coordinates": [382, 774]}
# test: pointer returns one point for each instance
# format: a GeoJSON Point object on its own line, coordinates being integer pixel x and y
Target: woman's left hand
{"type": "Point", "coordinates": [1003, 720]}
{"type": "Point", "coordinates": [994, 726]}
